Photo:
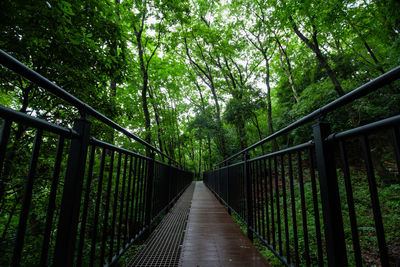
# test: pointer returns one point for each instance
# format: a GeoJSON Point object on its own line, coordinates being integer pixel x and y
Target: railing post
{"type": "Point", "coordinates": [227, 191]}
{"type": "Point", "coordinates": [169, 184]}
{"type": "Point", "coordinates": [249, 193]}
{"type": "Point", "coordinates": [71, 198]}
{"type": "Point", "coordinates": [331, 208]}
{"type": "Point", "coordinates": [149, 194]}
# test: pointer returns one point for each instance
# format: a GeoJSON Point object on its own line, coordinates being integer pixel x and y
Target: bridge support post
{"type": "Point", "coordinates": [72, 193]}
{"type": "Point", "coordinates": [332, 213]}
{"type": "Point", "coordinates": [249, 194]}
{"type": "Point", "coordinates": [149, 194]}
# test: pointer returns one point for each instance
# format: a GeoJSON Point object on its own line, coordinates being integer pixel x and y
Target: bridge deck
{"type": "Point", "coordinates": [212, 238]}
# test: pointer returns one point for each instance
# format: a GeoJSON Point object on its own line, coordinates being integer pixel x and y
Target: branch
{"type": "Point", "coordinates": [158, 45]}
{"type": "Point", "coordinates": [300, 35]}
{"type": "Point", "coordinates": [205, 21]}
{"type": "Point", "coordinates": [193, 62]}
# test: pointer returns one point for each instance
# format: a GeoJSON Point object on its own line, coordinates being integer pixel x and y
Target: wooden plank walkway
{"type": "Point", "coordinates": [212, 238]}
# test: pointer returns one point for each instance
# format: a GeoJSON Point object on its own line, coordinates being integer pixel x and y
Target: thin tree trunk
{"type": "Point", "coordinates": [209, 150]}
{"type": "Point", "coordinates": [288, 70]}
{"type": "Point", "coordinates": [257, 125]}
{"type": "Point", "coordinates": [209, 80]}
{"type": "Point", "coordinates": [178, 136]}
{"type": "Point", "coordinates": [269, 104]}
{"type": "Point", "coordinates": [203, 108]}
{"type": "Point", "coordinates": [192, 149]}
{"type": "Point", "coordinates": [368, 48]}
{"type": "Point", "coordinates": [159, 130]}
{"type": "Point", "coordinates": [145, 80]}
{"type": "Point", "coordinates": [314, 46]}
{"type": "Point", "coordinates": [200, 155]}
{"type": "Point", "coordinates": [113, 84]}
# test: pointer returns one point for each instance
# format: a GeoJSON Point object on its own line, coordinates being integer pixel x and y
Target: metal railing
{"type": "Point", "coordinates": [80, 201]}
{"type": "Point", "coordinates": [301, 201]}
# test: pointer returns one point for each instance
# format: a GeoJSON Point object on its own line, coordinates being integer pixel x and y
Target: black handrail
{"type": "Point", "coordinates": [93, 187]}
{"type": "Point", "coordinates": [361, 91]}
{"type": "Point", "coordinates": [13, 64]}
{"type": "Point", "coordinates": [268, 191]}
{"type": "Point", "coordinates": [36, 122]}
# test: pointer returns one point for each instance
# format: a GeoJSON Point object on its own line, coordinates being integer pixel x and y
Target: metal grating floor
{"type": "Point", "coordinates": [163, 248]}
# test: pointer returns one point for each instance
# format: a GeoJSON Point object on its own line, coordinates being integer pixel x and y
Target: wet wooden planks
{"type": "Point", "coordinates": [212, 238]}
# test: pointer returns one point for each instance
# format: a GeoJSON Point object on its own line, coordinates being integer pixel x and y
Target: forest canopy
{"type": "Point", "coordinates": [200, 79]}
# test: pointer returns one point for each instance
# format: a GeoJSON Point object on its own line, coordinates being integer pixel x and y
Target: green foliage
{"type": "Point", "coordinates": [214, 76]}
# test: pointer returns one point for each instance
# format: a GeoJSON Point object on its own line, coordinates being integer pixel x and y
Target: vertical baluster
{"type": "Point", "coordinates": [255, 192]}
{"type": "Point", "coordinates": [135, 196]}
{"type": "Point", "coordinates": [256, 199]}
{"type": "Point", "coordinates": [143, 195]}
{"type": "Point", "coordinates": [4, 136]}
{"type": "Point", "coordinates": [330, 199]}
{"type": "Point", "coordinates": [114, 210]}
{"type": "Point", "coordinates": [97, 208]}
{"type": "Point", "coordinates": [249, 203]}
{"type": "Point", "coordinates": [271, 191]}
{"type": "Point", "coordinates": [72, 194]}
{"type": "Point", "coordinates": [293, 202]}
{"type": "Point", "coordinates": [375, 202]}
{"type": "Point", "coordinates": [316, 209]}
{"type": "Point", "coordinates": [243, 190]}
{"type": "Point", "coordinates": [244, 183]}
{"type": "Point", "coordinates": [228, 202]}
{"type": "Point", "coordinates": [261, 189]}
{"type": "Point", "coordinates": [138, 195]}
{"type": "Point", "coordinates": [303, 208]}
{"type": "Point", "coordinates": [251, 195]}
{"type": "Point", "coordinates": [85, 208]}
{"type": "Point", "coordinates": [107, 204]}
{"type": "Point", "coordinates": [51, 204]}
{"type": "Point", "coordinates": [128, 204]}
{"type": "Point", "coordinates": [285, 215]}
{"type": "Point", "coordinates": [278, 212]}
{"type": "Point", "coordinates": [259, 204]}
{"type": "Point", "coordinates": [396, 147]}
{"type": "Point", "coordinates": [122, 205]}
{"type": "Point", "coordinates": [350, 203]}
{"type": "Point", "coordinates": [266, 200]}
{"type": "Point", "coordinates": [26, 202]}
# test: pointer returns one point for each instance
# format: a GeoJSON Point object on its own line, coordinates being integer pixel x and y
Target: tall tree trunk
{"type": "Point", "coordinates": [206, 75]}
{"type": "Point", "coordinates": [145, 81]}
{"type": "Point", "coordinates": [269, 104]}
{"type": "Point", "coordinates": [236, 93]}
{"type": "Point", "coordinates": [157, 117]}
{"type": "Point", "coordinates": [240, 129]}
{"type": "Point", "coordinates": [368, 48]}
{"type": "Point", "coordinates": [200, 155]}
{"type": "Point", "coordinates": [209, 151]}
{"type": "Point", "coordinates": [192, 149]}
{"type": "Point", "coordinates": [203, 108]}
{"type": "Point", "coordinates": [260, 46]}
{"type": "Point", "coordinates": [257, 125]}
{"type": "Point", "coordinates": [220, 134]}
{"type": "Point", "coordinates": [288, 70]}
{"type": "Point", "coordinates": [178, 136]}
{"type": "Point", "coordinates": [314, 46]}
{"type": "Point", "coordinates": [113, 84]}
